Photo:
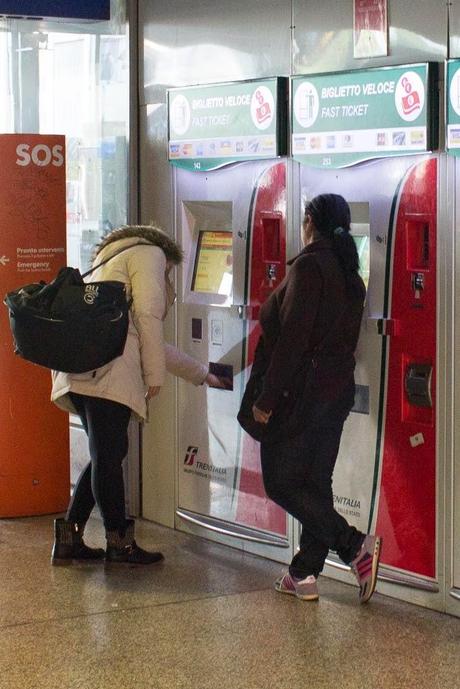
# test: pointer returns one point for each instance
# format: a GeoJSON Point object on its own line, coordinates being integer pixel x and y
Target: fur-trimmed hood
{"type": "Point", "coordinates": [149, 233]}
{"type": "Point", "coordinates": [141, 265]}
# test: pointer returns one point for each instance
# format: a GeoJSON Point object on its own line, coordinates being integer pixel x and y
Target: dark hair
{"type": "Point", "coordinates": [331, 216]}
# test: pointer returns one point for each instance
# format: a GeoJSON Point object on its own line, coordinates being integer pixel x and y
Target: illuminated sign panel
{"type": "Point", "coordinates": [218, 124]}
{"type": "Point", "coordinates": [343, 118]}
{"type": "Point", "coordinates": [54, 9]}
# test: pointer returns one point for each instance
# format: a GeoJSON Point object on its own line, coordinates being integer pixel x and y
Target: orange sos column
{"type": "Point", "coordinates": [34, 448]}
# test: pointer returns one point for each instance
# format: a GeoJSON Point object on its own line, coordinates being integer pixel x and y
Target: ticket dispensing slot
{"type": "Point", "coordinates": [417, 384]}
{"type": "Point", "coordinates": [271, 247]}
{"type": "Point", "coordinates": [417, 371]}
{"type": "Point", "coordinates": [267, 254]}
{"type": "Point", "coordinates": [418, 243]}
{"type": "Point", "coordinates": [197, 329]}
{"type": "Point", "coordinates": [418, 252]}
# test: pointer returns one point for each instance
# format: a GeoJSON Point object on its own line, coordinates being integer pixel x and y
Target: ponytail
{"type": "Point", "coordinates": [331, 216]}
{"type": "Point", "coordinates": [345, 249]}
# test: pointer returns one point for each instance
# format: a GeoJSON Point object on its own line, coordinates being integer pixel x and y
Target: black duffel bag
{"type": "Point", "coordinates": [69, 325]}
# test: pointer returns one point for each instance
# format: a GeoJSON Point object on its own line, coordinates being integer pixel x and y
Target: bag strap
{"type": "Point", "coordinates": [106, 260]}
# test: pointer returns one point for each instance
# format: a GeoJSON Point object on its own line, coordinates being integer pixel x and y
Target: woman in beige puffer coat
{"type": "Point", "coordinates": [105, 398]}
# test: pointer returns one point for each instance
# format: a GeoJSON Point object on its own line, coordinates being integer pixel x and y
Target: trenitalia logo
{"type": "Point", "coordinates": [347, 502]}
{"type": "Point", "coordinates": [190, 455]}
{"type": "Point", "coordinates": [203, 468]}
{"type": "Point", "coordinates": [347, 506]}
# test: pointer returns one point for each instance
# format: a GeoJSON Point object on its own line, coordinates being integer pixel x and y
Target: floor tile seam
{"type": "Point", "coordinates": [65, 618]}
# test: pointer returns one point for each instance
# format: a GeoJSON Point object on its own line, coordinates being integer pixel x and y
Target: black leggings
{"type": "Point", "coordinates": [101, 482]}
{"type": "Point", "coordinates": [297, 475]}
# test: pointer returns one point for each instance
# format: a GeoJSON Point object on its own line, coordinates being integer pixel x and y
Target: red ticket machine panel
{"type": "Point", "coordinates": [267, 269]}
{"type": "Point", "coordinates": [407, 503]}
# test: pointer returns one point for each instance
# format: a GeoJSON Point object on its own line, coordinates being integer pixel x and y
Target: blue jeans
{"type": "Point", "coordinates": [297, 474]}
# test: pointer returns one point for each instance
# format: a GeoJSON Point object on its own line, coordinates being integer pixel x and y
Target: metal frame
{"type": "Point", "coordinates": [133, 470]}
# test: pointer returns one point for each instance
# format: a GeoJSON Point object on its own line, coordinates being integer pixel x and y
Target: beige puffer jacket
{"type": "Point", "coordinates": [146, 356]}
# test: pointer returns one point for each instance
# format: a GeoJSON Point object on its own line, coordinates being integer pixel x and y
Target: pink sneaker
{"type": "Point", "coordinates": [365, 566]}
{"type": "Point", "coordinates": [305, 589]}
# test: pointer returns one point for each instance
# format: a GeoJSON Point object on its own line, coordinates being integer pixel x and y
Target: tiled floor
{"type": "Point", "coordinates": [207, 618]}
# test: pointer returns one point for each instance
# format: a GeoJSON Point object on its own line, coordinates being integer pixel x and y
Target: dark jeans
{"type": "Point", "coordinates": [297, 475]}
{"type": "Point", "coordinates": [101, 482]}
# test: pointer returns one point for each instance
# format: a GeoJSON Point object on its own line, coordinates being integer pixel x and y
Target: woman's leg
{"type": "Point", "coordinates": [298, 476]}
{"type": "Point", "coordinates": [82, 500]}
{"type": "Point", "coordinates": [313, 551]}
{"type": "Point", "coordinates": [106, 423]}
{"type": "Point", "coordinates": [322, 451]}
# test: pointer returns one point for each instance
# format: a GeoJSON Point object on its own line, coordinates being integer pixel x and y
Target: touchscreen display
{"type": "Point", "coordinates": [213, 263]}
{"type": "Point", "coordinates": [362, 245]}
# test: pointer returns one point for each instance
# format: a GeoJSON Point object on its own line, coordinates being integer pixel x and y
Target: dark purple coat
{"type": "Point", "coordinates": [311, 307]}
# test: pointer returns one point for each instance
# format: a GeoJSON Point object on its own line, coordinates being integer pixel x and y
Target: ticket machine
{"type": "Point", "coordinates": [235, 245]}
{"type": "Point", "coordinates": [232, 226]}
{"type": "Point", "coordinates": [386, 479]}
{"type": "Point", "coordinates": [358, 139]}
{"type": "Point", "coordinates": [226, 146]}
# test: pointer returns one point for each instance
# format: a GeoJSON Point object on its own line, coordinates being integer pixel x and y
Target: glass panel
{"type": "Point", "coordinates": [73, 79]}
{"type": "Point", "coordinates": [6, 111]}
{"type": "Point", "coordinates": [363, 244]}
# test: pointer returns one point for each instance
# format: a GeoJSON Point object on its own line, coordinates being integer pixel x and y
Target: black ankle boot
{"type": "Point", "coordinates": [69, 545]}
{"type": "Point", "coordinates": [124, 549]}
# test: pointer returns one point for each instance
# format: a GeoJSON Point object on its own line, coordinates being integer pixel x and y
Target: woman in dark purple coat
{"type": "Point", "coordinates": [315, 313]}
